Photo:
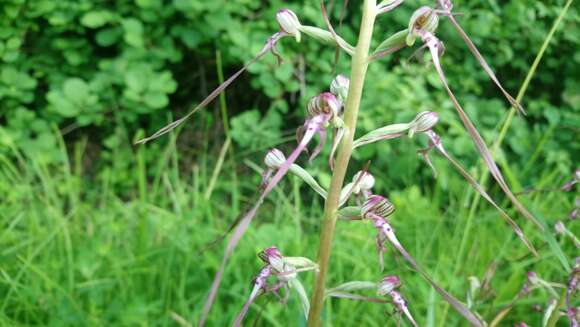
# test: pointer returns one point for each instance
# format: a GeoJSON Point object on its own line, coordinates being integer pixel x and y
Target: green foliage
{"type": "Point", "coordinates": [96, 232]}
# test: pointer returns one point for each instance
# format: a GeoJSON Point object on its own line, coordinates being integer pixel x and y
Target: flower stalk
{"type": "Point", "coordinates": [360, 62]}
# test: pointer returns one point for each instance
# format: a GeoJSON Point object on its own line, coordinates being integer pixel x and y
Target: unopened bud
{"type": "Point", "coordinates": [269, 254]}
{"type": "Point", "coordinates": [423, 19]}
{"type": "Point", "coordinates": [423, 122]}
{"type": "Point", "coordinates": [560, 227]}
{"type": "Point", "coordinates": [324, 104]}
{"type": "Point", "coordinates": [339, 87]}
{"type": "Point", "coordinates": [388, 284]}
{"type": "Point", "coordinates": [274, 159]}
{"type": "Point", "coordinates": [366, 181]}
{"type": "Point", "coordinates": [533, 278]}
{"type": "Point", "coordinates": [377, 205]}
{"type": "Point", "coordinates": [289, 23]}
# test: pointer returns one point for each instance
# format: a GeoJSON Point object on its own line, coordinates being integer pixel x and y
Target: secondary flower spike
{"type": "Point", "coordinates": [373, 210]}
{"type": "Point", "coordinates": [284, 271]}
{"type": "Point", "coordinates": [436, 49]}
{"type": "Point", "coordinates": [321, 109]}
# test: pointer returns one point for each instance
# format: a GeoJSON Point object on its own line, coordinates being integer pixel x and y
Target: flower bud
{"type": "Point", "coordinates": [324, 104]}
{"type": "Point", "coordinates": [377, 205]}
{"type": "Point", "coordinates": [423, 122]}
{"type": "Point", "coordinates": [366, 181]}
{"type": "Point", "coordinates": [269, 254]}
{"type": "Point", "coordinates": [560, 228]}
{"type": "Point", "coordinates": [289, 23]}
{"type": "Point", "coordinates": [388, 284]}
{"type": "Point", "coordinates": [446, 5]}
{"type": "Point", "coordinates": [533, 278]}
{"type": "Point", "coordinates": [423, 19]}
{"type": "Point", "coordinates": [339, 87]}
{"type": "Point", "coordinates": [274, 159]}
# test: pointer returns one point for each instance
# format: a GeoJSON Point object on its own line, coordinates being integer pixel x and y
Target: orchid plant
{"type": "Point", "coordinates": [337, 110]}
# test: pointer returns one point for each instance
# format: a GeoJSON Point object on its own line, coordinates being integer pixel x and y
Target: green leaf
{"type": "Point", "coordinates": [156, 100]}
{"type": "Point", "coordinates": [76, 90]}
{"type": "Point", "coordinates": [133, 32]}
{"type": "Point", "coordinates": [96, 19]}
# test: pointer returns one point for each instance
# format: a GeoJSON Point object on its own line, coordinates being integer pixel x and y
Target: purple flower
{"type": "Point", "coordinates": [389, 284]}
{"type": "Point", "coordinates": [260, 286]}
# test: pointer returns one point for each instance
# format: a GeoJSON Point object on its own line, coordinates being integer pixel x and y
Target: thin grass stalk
{"type": "Point", "coordinates": [485, 174]}
{"type": "Point", "coordinates": [358, 72]}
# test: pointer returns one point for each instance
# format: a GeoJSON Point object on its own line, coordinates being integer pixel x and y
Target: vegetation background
{"type": "Point", "coordinates": [95, 231]}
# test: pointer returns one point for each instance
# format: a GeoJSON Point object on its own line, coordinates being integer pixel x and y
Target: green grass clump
{"type": "Point", "coordinates": [75, 251]}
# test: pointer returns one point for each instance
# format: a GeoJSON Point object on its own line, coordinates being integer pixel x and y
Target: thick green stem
{"type": "Point", "coordinates": [358, 71]}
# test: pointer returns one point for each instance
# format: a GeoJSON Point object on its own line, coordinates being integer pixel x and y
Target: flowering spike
{"type": "Point", "coordinates": [289, 23]}
{"type": "Point", "coordinates": [324, 109]}
{"type": "Point", "coordinates": [435, 46]}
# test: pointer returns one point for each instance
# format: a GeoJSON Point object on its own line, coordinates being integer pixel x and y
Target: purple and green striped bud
{"type": "Point", "coordinates": [339, 87]}
{"type": "Point", "coordinates": [289, 23]}
{"type": "Point", "coordinates": [424, 121]}
{"type": "Point", "coordinates": [270, 254]}
{"type": "Point", "coordinates": [324, 104]}
{"type": "Point", "coordinates": [533, 278]}
{"type": "Point", "coordinates": [274, 159]}
{"type": "Point", "coordinates": [423, 19]}
{"type": "Point", "coordinates": [377, 205]}
{"type": "Point", "coordinates": [388, 284]}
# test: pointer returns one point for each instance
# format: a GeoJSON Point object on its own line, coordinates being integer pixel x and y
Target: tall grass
{"type": "Point", "coordinates": [75, 251]}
